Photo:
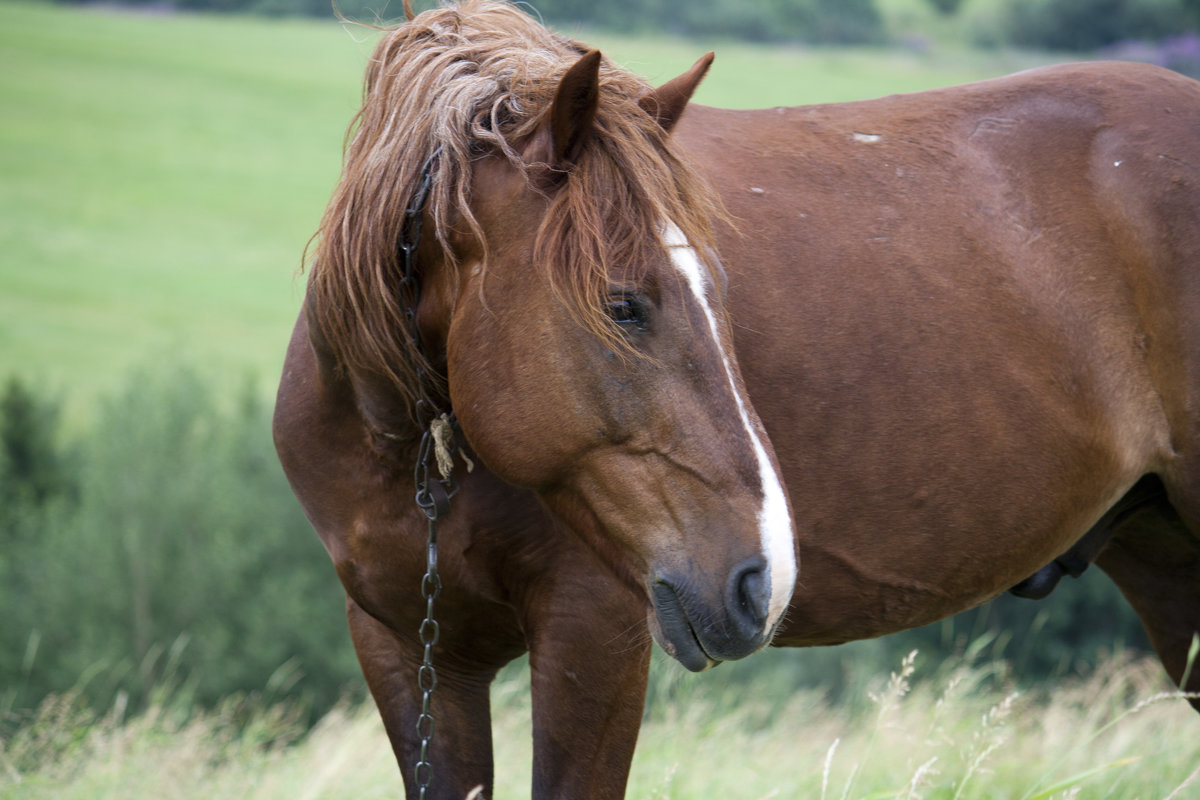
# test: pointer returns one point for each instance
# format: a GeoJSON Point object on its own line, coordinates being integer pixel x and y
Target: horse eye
{"type": "Point", "coordinates": [628, 310]}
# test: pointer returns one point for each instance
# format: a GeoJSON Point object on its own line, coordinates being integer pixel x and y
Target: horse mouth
{"type": "Point", "coordinates": [674, 632]}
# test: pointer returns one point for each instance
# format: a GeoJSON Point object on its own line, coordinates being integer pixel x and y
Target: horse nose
{"type": "Point", "coordinates": [729, 627]}
{"type": "Point", "coordinates": [748, 597]}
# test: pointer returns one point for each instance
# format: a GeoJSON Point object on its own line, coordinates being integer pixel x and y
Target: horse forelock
{"type": "Point", "coordinates": [612, 212]}
{"type": "Point", "coordinates": [478, 76]}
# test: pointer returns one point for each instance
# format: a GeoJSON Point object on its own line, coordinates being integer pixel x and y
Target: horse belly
{"type": "Point", "coordinates": [943, 439]}
{"type": "Point", "coordinates": [921, 488]}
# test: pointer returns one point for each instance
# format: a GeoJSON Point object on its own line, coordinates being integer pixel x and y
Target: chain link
{"type": "Point", "coordinates": [431, 587]}
{"type": "Point", "coordinates": [432, 495]}
{"type": "Point", "coordinates": [433, 498]}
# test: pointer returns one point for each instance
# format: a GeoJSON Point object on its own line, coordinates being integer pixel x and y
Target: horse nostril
{"type": "Point", "coordinates": [749, 595]}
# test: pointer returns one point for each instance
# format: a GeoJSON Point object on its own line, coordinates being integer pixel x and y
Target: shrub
{"type": "Point", "coordinates": [813, 21]}
{"type": "Point", "coordinates": [1089, 24]}
{"type": "Point", "coordinates": [947, 8]}
{"type": "Point", "coordinates": [184, 559]}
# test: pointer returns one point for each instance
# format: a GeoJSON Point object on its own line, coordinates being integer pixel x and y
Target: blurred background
{"type": "Point", "coordinates": [162, 165]}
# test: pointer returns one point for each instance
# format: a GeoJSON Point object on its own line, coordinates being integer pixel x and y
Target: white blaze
{"type": "Point", "coordinates": [774, 522]}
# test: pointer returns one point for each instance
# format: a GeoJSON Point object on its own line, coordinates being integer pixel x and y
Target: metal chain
{"type": "Point", "coordinates": [433, 498]}
{"type": "Point", "coordinates": [433, 494]}
{"type": "Point", "coordinates": [431, 587]}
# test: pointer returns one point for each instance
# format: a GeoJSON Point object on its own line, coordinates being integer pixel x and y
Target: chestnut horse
{"type": "Point", "coordinates": [931, 344]}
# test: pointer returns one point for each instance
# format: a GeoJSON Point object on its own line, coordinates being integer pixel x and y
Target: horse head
{"type": "Point", "coordinates": [570, 311]}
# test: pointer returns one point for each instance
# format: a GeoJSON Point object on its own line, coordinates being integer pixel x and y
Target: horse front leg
{"type": "Point", "coordinates": [460, 752]}
{"type": "Point", "coordinates": [589, 660]}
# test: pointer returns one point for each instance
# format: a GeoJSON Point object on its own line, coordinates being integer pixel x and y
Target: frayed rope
{"type": "Point", "coordinates": [443, 446]}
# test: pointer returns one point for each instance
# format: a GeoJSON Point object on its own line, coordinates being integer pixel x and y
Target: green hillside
{"type": "Point", "coordinates": [159, 177]}
{"type": "Point", "coordinates": [160, 174]}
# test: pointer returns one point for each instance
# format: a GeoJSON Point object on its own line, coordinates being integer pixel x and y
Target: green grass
{"type": "Point", "coordinates": [159, 179]}
{"type": "Point", "coordinates": [160, 175]}
{"type": "Point", "coordinates": [958, 734]}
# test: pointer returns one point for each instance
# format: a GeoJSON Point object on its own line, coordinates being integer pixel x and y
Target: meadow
{"type": "Point", "coordinates": [954, 732]}
{"type": "Point", "coordinates": [160, 175]}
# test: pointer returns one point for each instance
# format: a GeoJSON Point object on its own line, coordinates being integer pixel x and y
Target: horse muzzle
{"type": "Point", "coordinates": [702, 634]}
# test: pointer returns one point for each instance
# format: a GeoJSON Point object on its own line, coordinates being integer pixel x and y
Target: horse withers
{"type": "Point", "coordinates": [729, 378]}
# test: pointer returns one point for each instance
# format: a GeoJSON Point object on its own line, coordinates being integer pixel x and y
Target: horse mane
{"type": "Point", "coordinates": [468, 78]}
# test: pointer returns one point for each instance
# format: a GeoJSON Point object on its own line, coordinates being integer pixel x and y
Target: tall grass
{"type": "Point", "coordinates": [920, 732]}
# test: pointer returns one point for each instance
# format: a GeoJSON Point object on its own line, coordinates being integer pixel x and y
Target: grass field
{"type": "Point", "coordinates": [159, 179]}
{"type": "Point", "coordinates": [160, 174]}
{"type": "Point", "coordinates": [955, 734]}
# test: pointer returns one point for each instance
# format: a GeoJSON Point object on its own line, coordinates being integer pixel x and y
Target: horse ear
{"type": "Point", "coordinates": [667, 102]}
{"type": "Point", "coordinates": [571, 114]}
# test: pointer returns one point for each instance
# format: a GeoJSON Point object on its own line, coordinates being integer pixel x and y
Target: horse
{"type": "Point", "coordinates": [727, 379]}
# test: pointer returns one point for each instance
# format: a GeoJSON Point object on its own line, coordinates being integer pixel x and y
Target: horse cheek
{"type": "Point", "coordinates": [518, 410]}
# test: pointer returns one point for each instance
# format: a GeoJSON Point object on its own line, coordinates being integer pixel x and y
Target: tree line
{"type": "Point", "coordinates": [161, 546]}
{"type": "Point", "coordinates": [1050, 24]}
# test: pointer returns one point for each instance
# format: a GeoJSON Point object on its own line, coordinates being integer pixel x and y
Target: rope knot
{"type": "Point", "coordinates": [444, 447]}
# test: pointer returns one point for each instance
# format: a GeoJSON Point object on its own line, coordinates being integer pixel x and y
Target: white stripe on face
{"type": "Point", "coordinates": [774, 522]}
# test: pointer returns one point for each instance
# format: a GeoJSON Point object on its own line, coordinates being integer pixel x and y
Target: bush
{"type": "Point", "coordinates": [32, 468]}
{"type": "Point", "coordinates": [813, 21]}
{"type": "Point", "coordinates": [1089, 24]}
{"type": "Point", "coordinates": [181, 558]}
{"type": "Point", "coordinates": [947, 8]}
